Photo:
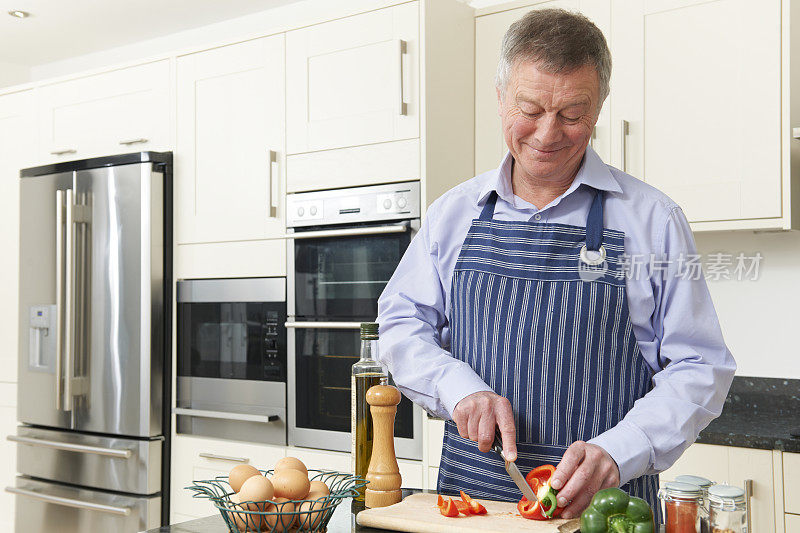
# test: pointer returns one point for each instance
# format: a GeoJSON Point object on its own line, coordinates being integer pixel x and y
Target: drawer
{"type": "Point", "coordinates": [44, 506]}
{"type": "Point", "coordinates": [791, 484]}
{"type": "Point", "coordinates": [792, 523]}
{"type": "Point", "coordinates": [119, 464]}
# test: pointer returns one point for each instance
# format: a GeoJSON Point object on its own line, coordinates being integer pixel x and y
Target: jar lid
{"type": "Point", "coordinates": [701, 482]}
{"type": "Point", "coordinates": [726, 494]}
{"type": "Point", "coordinates": [676, 489]}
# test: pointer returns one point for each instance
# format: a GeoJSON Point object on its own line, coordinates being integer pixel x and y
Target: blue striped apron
{"type": "Point", "coordinates": [550, 333]}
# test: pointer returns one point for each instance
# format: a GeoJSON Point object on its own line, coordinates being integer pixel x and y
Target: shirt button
{"type": "Point", "coordinates": [537, 216]}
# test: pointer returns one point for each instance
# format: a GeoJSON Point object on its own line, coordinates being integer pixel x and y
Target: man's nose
{"type": "Point", "coordinates": [548, 130]}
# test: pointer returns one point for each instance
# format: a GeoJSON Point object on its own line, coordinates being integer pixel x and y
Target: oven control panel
{"type": "Point", "coordinates": [392, 201]}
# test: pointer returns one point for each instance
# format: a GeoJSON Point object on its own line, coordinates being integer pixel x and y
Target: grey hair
{"type": "Point", "coordinates": [557, 41]}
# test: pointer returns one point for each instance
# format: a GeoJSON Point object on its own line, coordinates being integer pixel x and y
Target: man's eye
{"type": "Point", "coordinates": [571, 120]}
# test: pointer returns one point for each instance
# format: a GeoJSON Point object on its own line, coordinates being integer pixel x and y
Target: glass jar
{"type": "Point", "coordinates": [704, 485]}
{"type": "Point", "coordinates": [728, 513]}
{"type": "Point", "coordinates": [683, 504]}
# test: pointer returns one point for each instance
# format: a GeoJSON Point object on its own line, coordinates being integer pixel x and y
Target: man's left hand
{"type": "Point", "coordinates": [584, 469]}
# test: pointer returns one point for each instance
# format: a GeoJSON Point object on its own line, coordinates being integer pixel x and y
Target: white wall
{"type": "Point", "coordinates": [11, 74]}
{"type": "Point", "coordinates": [760, 319]}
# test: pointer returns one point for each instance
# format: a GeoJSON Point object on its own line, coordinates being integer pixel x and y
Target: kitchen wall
{"type": "Point", "coordinates": [11, 74]}
{"type": "Point", "coordinates": [758, 317]}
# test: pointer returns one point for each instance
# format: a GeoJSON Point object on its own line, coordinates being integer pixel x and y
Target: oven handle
{"type": "Point", "coordinates": [323, 325]}
{"type": "Point", "coordinates": [349, 232]}
{"type": "Point", "coordinates": [266, 419]}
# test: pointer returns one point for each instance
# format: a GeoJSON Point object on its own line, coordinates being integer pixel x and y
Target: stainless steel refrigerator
{"type": "Point", "coordinates": [94, 332]}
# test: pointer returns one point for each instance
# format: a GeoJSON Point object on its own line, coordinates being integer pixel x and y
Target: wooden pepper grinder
{"type": "Point", "coordinates": [383, 473]}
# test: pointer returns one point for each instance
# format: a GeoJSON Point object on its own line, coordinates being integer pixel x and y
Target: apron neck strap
{"type": "Point", "coordinates": [594, 223]}
{"type": "Point", "coordinates": [488, 208]}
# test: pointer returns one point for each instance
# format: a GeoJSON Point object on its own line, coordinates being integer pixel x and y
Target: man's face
{"type": "Point", "coordinates": [548, 118]}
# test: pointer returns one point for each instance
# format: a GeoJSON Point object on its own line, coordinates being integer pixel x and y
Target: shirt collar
{"type": "Point", "coordinates": [592, 172]}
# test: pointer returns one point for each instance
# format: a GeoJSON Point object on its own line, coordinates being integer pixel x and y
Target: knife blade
{"type": "Point", "coordinates": [513, 471]}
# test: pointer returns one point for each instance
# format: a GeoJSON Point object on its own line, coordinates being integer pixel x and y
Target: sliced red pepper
{"type": "Point", "coordinates": [539, 480]}
{"type": "Point", "coordinates": [474, 506]}
{"type": "Point", "coordinates": [449, 508]}
{"type": "Point", "coordinates": [440, 501]}
{"type": "Point", "coordinates": [463, 507]}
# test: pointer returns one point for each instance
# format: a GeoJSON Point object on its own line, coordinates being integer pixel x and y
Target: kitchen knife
{"type": "Point", "coordinates": [513, 471]}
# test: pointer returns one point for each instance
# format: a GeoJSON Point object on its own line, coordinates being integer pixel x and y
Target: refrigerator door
{"type": "Point", "coordinates": [109, 463]}
{"type": "Point", "coordinates": [42, 251]}
{"type": "Point", "coordinates": [119, 325]}
{"type": "Point", "coordinates": [44, 506]}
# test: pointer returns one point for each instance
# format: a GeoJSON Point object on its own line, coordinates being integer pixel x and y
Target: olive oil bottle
{"type": "Point", "coordinates": [367, 372]}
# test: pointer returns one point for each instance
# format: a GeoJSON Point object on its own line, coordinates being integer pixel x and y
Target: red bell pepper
{"type": "Point", "coordinates": [546, 508]}
{"type": "Point", "coordinates": [447, 508]}
{"type": "Point", "coordinates": [474, 506]}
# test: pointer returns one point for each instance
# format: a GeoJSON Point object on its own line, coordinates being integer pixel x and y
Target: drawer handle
{"type": "Point", "coordinates": [69, 502]}
{"type": "Point", "coordinates": [225, 458]}
{"type": "Point", "coordinates": [242, 417]}
{"type": "Point", "coordinates": [71, 447]}
{"type": "Point", "coordinates": [138, 140]}
{"type": "Point", "coordinates": [64, 151]}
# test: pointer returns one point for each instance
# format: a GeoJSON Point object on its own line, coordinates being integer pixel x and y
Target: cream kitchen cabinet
{"type": "Point", "coordinates": [196, 458]}
{"type": "Point", "coordinates": [354, 81]}
{"type": "Point", "coordinates": [229, 160]}
{"type": "Point", "coordinates": [120, 111]}
{"type": "Point", "coordinates": [732, 465]}
{"type": "Point", "coordinates": [703, 90]}
{"type": "Point", "coordinates": [382, 96]}
{"type": "Point", "coordinates": [491, 24]}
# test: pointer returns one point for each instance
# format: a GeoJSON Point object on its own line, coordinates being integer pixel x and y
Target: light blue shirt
{"type": "Point", "coordinates": [672, 316]}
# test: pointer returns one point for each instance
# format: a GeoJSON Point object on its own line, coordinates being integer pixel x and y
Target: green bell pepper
{"type": "Point", "coordinates": [614, 511]}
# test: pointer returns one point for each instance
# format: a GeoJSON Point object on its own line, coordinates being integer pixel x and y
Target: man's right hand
{"type": "Point", "coordinates": [477, 415]}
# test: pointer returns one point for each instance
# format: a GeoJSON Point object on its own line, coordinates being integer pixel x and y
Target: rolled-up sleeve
{"type": "Point", "coordinates": [695, 367]}
{"type": "Point", "coordinates": [414, 331]}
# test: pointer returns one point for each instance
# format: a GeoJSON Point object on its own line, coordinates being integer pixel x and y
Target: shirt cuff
{"type": "Point", "coordinates": [629, 447]}
{"type": "Point", "coordinates": [457, 384]}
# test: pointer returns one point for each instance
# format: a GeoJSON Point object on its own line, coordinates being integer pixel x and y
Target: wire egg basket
{"type": "Point", "coordinates": [273, 517]}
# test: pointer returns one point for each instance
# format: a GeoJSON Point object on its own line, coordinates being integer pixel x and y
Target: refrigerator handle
{"type": "Point", "coordinates": [70, 502]}
{"type": "Point", "coordinates": [59, 295]}
{"type": "Point", "coordinates": [69, 322]}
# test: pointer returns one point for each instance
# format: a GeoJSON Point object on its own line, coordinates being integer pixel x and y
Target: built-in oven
{"type": "Point", "coordinates": [232, 359]}
{"type": "Point", "coordinates": [343, 247]}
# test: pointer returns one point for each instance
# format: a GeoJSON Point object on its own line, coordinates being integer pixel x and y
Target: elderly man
{"type": "Point", "coordinates": [512, 307]}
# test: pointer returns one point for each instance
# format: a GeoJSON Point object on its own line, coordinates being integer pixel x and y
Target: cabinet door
{"type": "Point", "coordinates": [489, 31]}
{"type": "Point", "coordinates": [229, 147]}
{"type": "Point", "coordinates": [354, 81]}
{"type": "Point", "coordinates": [115, 112]}
{"type": "Point", "coordinates": [699, 85]}
{"type": "Point", "coordinates": [727, 464]}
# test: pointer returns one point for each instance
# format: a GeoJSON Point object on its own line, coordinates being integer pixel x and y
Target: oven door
{"type": "Point", "coordinates": [335, 277]}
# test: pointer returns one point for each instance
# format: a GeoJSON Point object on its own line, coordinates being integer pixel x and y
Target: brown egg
{"type": "Point", "coordinates": [239, 475]}
{"type": "Point", "coordinates": [291, 484]}
{"type": "Point", "coordinates": [243, 521]}
{"type": "Point", "coordinates": [256, 489]}
{"type": "Point", "coordinates": [293, 463]}
{"type": "Point", "coordinates": [318, 488]}
{"type": "Point", "coordinates": [278, 523]}
{"type": "Point", "coordinates": [311, 514]}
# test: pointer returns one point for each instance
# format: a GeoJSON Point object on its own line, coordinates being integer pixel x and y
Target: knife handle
{"type": "Point", "coordinates": [497, 445]}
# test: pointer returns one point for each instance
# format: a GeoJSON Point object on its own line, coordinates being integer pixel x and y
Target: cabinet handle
{"type": "Point", "coordinates": [138, 140]}
{"type": "Point", "coordinates": [795, 133]}
{"type": "Point", "coordinates": [273, 184]}
{"type": "Point", "coordinates": [63, 151]}
{"type": "Point", "coordinates": [748, 494]}
{"type": "Point", "coordinates": [625, 129]}
{"type": "Point", "coordinates": [224, 458]}
{"type": "Point", "coordinates": [402, 47]}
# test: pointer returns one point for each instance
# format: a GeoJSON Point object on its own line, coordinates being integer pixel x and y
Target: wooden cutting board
{"type": "Point", "coordinates": [418, 513]}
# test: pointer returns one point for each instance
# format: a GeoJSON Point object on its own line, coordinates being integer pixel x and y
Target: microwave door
{"type": "Point", "coordinates": [42, 285]}
{"type": "Point", "coordinates": [116, 385]}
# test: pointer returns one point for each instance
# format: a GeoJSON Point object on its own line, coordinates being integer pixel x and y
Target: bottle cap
{"type": "Point", "coordinates": [369, 331]}
{"type": "Point", "coordinates": [681, 491]}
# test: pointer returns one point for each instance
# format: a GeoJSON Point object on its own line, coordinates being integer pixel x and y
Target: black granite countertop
{"type": "Point", "coordinates": [758, 413]}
